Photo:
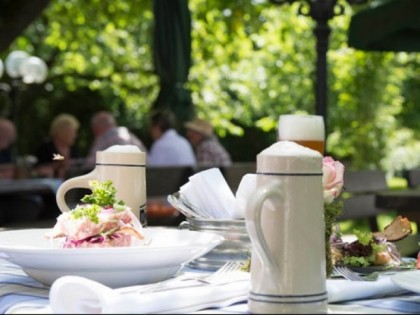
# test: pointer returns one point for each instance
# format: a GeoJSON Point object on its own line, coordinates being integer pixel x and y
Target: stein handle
{"type": "Point", "coordinates": [253, 222]}
{"type": "Point", "coordinates": [75, 182]}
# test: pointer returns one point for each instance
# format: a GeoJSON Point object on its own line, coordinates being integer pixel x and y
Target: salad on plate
{"type": "Point", "coordinates": [373, 250]}
{"type": "Point", "coordinates": [99, 221]}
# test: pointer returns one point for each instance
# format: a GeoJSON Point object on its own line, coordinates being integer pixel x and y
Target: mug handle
{"type": "Point", "coordinates": [253, 222]}
{"type": "Point", "coordinates": [75, 182]}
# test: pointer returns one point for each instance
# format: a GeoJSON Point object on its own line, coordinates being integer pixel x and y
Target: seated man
{"type": "Point", "coordinates": [208, 150]}
{"type": "Point", "coordinates": [107, 133]}
{"type": "Point", "coordinates": [169, 148]}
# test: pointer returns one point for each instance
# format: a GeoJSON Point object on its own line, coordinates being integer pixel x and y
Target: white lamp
{"type": "Point", "coordinates": [33, 70]}
{"type": "Point", "coordinates": [13, 62]}
{"type": "Point", "coordinates": [30, 69]}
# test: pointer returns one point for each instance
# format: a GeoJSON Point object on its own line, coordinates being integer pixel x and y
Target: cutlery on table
{"type": "Point", "coordinates": [230, 271]}
{"type": "Point", "coordinates": [348, 274]}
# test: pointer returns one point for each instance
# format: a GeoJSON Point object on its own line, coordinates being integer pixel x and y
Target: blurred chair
{"type": "Point", "coordinates": [234, 173]}
{"type": "Point", "coordinates": [361, 186]}
{"type": "Point", "coordinates": [23, 209]}
{"type": "Point", "coordinates": [165, 180]}
{"type": "Point", "coordinates": [413, 177]}
{"type": "Point", "coordinates": [160, 182]}
{"type": "Point", "coordinates": [413, 182]}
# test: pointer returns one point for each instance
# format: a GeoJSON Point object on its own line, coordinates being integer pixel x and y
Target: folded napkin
{"type": "Point", "coordinates": [211, 193]}
{"type": "Point", "coordinates": [78, 295]}
{"type": "Point", "coordinates": [340, 290]}
{"type": "Point", "coordinates": [188, 192]}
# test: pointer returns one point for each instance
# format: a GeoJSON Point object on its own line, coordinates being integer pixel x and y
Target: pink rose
{"type": "Point", "coordinates": [332, 178]}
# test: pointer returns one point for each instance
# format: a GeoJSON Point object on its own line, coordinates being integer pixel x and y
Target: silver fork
{"type": "Point", "coordinates": [348, 274]}
{"type": "Point", "coordinates": [219, 274]}
{"type": "Point", "coordinates": [217, 277]}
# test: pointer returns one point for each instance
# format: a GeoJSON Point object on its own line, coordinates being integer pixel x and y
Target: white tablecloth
{"type": "Point", "coordinates": [19, 294]}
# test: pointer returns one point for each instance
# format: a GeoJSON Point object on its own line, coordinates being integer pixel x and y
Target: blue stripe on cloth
{"type": "Point", "coordinates": [7, 301]}
{"type": "Point", "coordinates": [19, 279]}
{"type": "Point", "coordinates": [404, 304]}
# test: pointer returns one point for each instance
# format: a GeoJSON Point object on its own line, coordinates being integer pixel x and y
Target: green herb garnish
{"type": "Point", "coordinates": [119, 206]}
{"type": "Point", "coordinates": [88, 211]}
{"type": "Point", "coordinates": [356, 261]}
{"type": "Point", "coordinates": [103, 194]}
{"type": "Point", "coordinates": [364, 238]}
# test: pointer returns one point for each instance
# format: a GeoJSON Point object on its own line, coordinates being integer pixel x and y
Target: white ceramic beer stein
{"type": "Point", "coordinates": [285, 222]}
{"type": "Point", "coordinates": [125, 166]}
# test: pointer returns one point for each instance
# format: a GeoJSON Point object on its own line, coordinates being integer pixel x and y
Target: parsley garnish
{"type": "Point", "coordinates": [103, 195]}
{"type": "Point", "coordinates": [89, 211]}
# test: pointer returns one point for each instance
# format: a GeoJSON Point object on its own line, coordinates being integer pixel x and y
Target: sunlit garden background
{"type": "Point", "coordinates": [251, 62]}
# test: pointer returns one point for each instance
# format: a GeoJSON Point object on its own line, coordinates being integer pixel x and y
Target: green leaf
{"type": "Point", "coordinates": [365, 238]}
{"type": "Point", "coordinates": [87, 211]}
{"type": "Point", "coordinates": [103, 194]}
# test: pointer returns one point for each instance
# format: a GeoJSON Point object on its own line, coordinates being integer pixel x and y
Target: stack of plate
{"type": "Point", "coordinates": [235, 247]}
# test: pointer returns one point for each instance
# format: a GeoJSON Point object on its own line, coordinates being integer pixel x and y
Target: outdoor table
{"type": "Point", "coordinates": [405, 202]}
{"type": "Point", "coordinates": [29, 185]}
{"type": "Point", "coordinates": [407, 199]}
{"type": "Point", "coordinates": [28, 200]}
{"type": "Point", "coordinates": [19, 294]}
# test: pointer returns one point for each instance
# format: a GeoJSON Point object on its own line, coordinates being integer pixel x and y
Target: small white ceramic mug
{"type": "Point", "coordinates": [125, 166]}
{"type": "Point", "coordinates": [285, 222]}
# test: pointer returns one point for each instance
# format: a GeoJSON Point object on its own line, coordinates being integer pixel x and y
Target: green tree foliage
{"type": "Point", "coordinates": [251, 61]}
{"type": "Point", "coordinates": [99, 56]}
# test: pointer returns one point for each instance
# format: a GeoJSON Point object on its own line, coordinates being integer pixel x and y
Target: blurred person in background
{"type": "Point", "coordinates": [15, 207]}
{"type": "Point", "coordinates": [57, 153]}
{"type": "Point", "coordinates": [7, 138]}
{"type": "Point", "coordinates": [107, 133]}
{"type": "Point", "coordinates": [208, 150]}
{"type": "Point", "coordinates": [168, 148]}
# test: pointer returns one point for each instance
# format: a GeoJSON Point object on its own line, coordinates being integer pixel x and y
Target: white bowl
{"type": "Point", "coordinates": [168, 250]}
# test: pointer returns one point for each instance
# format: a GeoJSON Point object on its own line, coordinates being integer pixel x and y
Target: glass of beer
{"type": "Point", "coordinates": [306, 130]}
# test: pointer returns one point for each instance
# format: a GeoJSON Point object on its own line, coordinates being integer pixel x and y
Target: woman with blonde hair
{"type": "Point", "coordinates": [56, 153]}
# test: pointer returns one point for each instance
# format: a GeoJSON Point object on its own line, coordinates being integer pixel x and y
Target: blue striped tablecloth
{"type": "Point", "coordinates": [19, 294]}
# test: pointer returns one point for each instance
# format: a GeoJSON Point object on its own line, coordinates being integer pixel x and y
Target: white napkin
{"type": "Point", "coordinates": [245, 189]}
{"type": "Point", "coordinates": [340, 290]}
{"type": "Point", "coordinates": [78, 295]}
{"type": "Point", "coordinates": [211, 193]}
{"type": "Point", "coordinates": [189, 192]}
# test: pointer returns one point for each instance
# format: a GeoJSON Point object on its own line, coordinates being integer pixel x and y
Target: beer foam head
{"type": "Point", "coordinates": [123, 148]}
{"type": "Point", "coordinates": [289, 148]}
{"type": "Point", "coordinates": [301, 127]}
{"type": "Point", "coordinates": [289, 157]}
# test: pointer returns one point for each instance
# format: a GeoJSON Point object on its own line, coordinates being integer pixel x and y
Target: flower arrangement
{"type": "Point", "coordinates": [332, 182]}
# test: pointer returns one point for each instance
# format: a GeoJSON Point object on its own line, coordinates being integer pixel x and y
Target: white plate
{"type": "Point", "coordinates": [168, 250]}
{"type": "Point", "coordinates": [409, 280]}
{"type": "Point", "coordinates": [407, 263]}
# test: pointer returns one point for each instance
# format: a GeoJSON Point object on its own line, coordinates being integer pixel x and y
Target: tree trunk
{"type": "Point", "coordinates": [15, 16]}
